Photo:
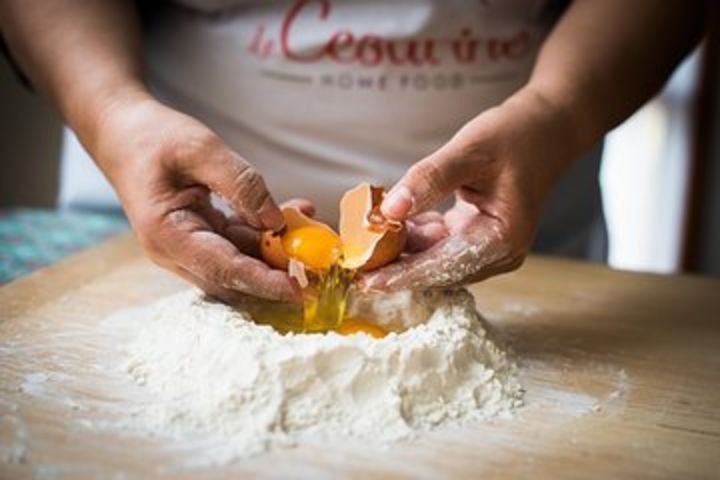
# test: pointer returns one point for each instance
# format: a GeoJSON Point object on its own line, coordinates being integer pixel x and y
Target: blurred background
{"type": "Point", "coordinates": [660, 176]}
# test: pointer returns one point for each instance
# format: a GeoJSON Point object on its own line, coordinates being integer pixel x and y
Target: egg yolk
{"type": "Point", "coordinates": [316, 247]}
{"type": "Point", "coordinates": [351, 327]}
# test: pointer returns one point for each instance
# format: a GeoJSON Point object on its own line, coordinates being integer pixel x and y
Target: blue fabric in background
{"type": "Point", "coordinates": [34, 238]}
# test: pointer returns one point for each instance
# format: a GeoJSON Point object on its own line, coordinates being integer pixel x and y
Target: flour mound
{"type": "Point", "coordinates": [212, 373]}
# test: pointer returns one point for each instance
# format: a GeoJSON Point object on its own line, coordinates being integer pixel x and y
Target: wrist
{"type": "Point", "coordinates": [111, 128]}
{"type": "Point", "coordinates": [562, 108]}
{"type": "Point", "coordinates": [552, 137]}
{"type": "Point", "coordinates": [91, 110]}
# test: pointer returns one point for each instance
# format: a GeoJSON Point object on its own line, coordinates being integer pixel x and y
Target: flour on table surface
{"type": "Point", "coordinates": [212, 373]}
{"type": "Point", "coordinates": [75, 370]}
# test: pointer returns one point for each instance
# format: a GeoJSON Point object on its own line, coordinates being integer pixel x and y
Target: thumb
{"type": "Point", "coordinates": [241, 186]}
{"type": "Point", "coordinates": [425, 184]}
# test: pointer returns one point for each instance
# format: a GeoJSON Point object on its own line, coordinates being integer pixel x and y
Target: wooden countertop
{"type": "Point", "coordinates": [622, 373]}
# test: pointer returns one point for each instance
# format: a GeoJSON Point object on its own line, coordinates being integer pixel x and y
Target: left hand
{"type": "Point", "coordinates": [500, 166]}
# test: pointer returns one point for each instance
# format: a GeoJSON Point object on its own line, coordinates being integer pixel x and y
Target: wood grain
{"type": "Point", "coordinates": [621, 370]}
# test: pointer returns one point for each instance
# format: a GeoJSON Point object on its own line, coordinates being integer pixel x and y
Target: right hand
{"type": "Point", "coordinates": [164, 166]}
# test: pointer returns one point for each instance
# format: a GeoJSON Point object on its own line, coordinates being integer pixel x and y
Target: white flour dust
{"type": "Point", "coordinates": [212, 373]}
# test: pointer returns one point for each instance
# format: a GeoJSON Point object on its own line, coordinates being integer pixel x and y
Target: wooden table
{"type": "Point", "coordinates": [622, 373]}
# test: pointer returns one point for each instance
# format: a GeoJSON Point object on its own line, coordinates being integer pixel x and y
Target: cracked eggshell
{"type": "Point", "coordinates": [370, 241]}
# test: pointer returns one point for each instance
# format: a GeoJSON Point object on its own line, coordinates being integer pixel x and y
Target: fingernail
{"type": "Point", "coordinates": [270, 216]}
{"type": "Point", "coordinates": [397, 203]}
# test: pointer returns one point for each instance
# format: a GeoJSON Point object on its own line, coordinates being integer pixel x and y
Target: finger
{"type": "Point", "coordinates": [217, 262]}
{"type": "Point", "coordinates": [236, 181]}
{"type": "Point", "coordinates": [427, 183]}
{"type": "Point", "coordinates": [422, 237]}
{"type": "Point", "coordinates": [303, 204]}
{"type": "Point", "coordinates": [432, 216]}
{"type": "Point", "coordinates": [234, 228]}
{"type": "Point", "coordinates": [212, 215]}
{"type": "Point", "coordinates": [459, 217]}
{"type": "Point", "coordinates": [224, 294]}
{"type": "Point", "coordinates": [244, 237]}
{"type": "Point", "coordinates": [453, 261]}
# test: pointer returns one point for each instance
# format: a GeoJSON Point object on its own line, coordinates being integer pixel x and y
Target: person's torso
{"type": "Point", "coordinates": [322, 94]}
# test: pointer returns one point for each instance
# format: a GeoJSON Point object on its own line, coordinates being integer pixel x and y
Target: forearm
{"type": "Point", "coordinates": [606, 57]}
{"type": "Point", "coordinates": [83, 54]}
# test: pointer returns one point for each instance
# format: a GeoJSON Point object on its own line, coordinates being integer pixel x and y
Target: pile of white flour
{"type": "Point", "coordinates": [212, 373]}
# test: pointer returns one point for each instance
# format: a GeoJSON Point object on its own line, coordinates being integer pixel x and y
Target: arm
{"type": "Point", "coordinates": [605, 58]}
{"type": "Point", "coordinates": [85, 55]}
{"type": "Point", "coordinates": [602, 60]}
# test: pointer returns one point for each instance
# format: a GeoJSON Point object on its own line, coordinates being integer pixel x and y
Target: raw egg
{"type": "Point", "coordinates": [308, 241]}
{"type": "Point", "coordinates": [367, 240]}
{"type": "Point", "coordinates": [353, 326]}
{"type": "Point", "coordinates": [317, 248]}
{"type": "Point", "coordinates": [324, 263]}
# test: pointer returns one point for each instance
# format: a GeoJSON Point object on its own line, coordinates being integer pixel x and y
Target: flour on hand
{"type": "Point", "coordinates": [213, 373]}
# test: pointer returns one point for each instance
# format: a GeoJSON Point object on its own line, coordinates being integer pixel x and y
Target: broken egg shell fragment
{"type": "Point", "coordinates": [272, 252]}
{"type": "Point", "coordinates": [370, 241]}
{"type": "Point", "coordinates": [297, 271]}
{"type": "Point", "coordinates": [271, 245]}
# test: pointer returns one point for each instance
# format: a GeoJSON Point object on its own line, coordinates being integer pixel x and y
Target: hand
{"type": "Point", "coordinates": [500, 167]}
{"type": "Point", "coordinates": [164, 166]}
